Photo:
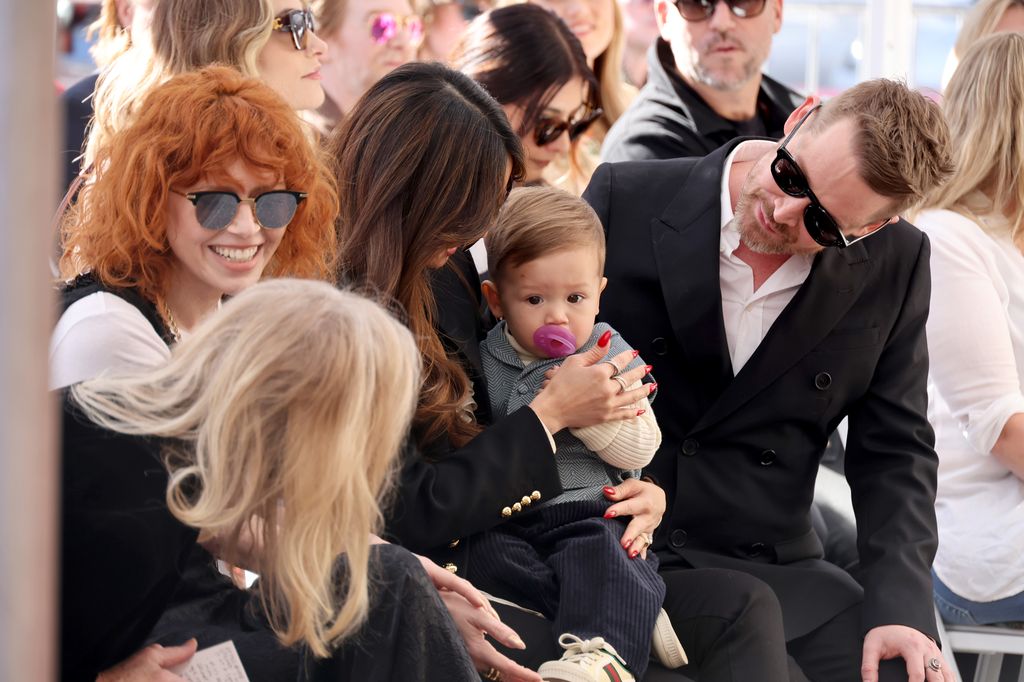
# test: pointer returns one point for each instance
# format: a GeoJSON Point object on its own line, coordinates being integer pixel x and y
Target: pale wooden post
{"type": "Point", "coordinates": [28, 457]}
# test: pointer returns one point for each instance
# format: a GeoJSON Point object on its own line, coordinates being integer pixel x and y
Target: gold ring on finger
{"type": "Point", "coordinates": [493, 674]}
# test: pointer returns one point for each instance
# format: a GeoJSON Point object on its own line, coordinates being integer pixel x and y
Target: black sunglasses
{"type": "Point", "coordinates": [549, 128]}
{"type": "Point", "coordinates": [298, 21]}
{"type": "Point", "coordinates": [216, 209]}
{"type": "Point", "coordinates": [790, 178]}
{"type": "Point", "coordinates": [699, 10]}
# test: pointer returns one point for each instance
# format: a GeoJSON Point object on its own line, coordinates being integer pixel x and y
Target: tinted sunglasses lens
{"type": "Point", "coordinates": [746, 8]}
{"type": "Point", "coordinates": [415, 27]}
{"type": "Point", "coordinates": [547, 131]}
{"type": "Point", "coordinates": [821, 227]}
{"type": "Point", "coordinates": [383, 28]}
{"type": "Point", "coordinates": [276, 209]}
{"type": "Point", "coordinates": [216, 210]}
{"type": "Point", "coordinates": [788, 176]}
{"type": "Point", "coordinates": [696, 10]}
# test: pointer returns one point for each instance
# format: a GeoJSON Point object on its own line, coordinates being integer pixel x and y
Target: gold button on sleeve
{"type": "Point", "coordinates": [451, 568]}
{"type": "Point", "coordinates": [517, 507]}
{"type": "Point", "coordinates": [526, 501]}
{"type": "Point", "coordinates": [506, 512]}
{"type": "Point", "coordinates": [535, 495]}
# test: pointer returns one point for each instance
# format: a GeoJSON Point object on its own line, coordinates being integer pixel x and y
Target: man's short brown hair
{"type": "Point", "coordinates": [902, 139]}
{"type": "Point", "coordinates": [539, 221]}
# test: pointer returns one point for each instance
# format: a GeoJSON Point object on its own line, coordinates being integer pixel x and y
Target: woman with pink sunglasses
{"type": "Point", "coordinates": [366, 40]}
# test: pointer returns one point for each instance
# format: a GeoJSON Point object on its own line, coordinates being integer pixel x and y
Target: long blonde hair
{"type": "Point", "coordinates": [984, 106]}
{"type": "Point", "coordinates": [186, 35]}
{"type": "Point", "coordinates": [616, 94]}
{"type": "Point", "coordinates": [290, 405]}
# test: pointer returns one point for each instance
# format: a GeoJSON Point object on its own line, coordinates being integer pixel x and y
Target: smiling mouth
{"type": "Point", "coordinates": [236, 255]}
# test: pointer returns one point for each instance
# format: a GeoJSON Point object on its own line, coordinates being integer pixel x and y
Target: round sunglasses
{"type": "Point", "coordinates": [700, 10]}
{"type": "Point", "coordinates": [299, 22]}
{"type": "Point", "coordinates": [550, 128]}
{"type": "Point", "coordinates": [385, 25]}
{"type": "Point", "coordinates": [216, 209]}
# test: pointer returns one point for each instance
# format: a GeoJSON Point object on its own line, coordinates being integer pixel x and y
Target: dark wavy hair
{"type": "Point", "coordinates": [523, 54]}
{"type": "Point", "coordinates": [422, 163]}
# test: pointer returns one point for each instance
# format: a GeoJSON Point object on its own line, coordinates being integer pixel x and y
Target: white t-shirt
{"type": "Point", "coordinates": [976, 348]}
{"type": "Point", "coordinates": [102, 332]}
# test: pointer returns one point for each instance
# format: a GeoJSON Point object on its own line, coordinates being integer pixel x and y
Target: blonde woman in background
{"type": "Point", "coordinates": [241, 425]}
{"type": "Point", "coordinates": [976, 339]}
{"type": "Point", "coordinates": [273, 40]}
{"type": "Point", "coordinates": [984, 19]}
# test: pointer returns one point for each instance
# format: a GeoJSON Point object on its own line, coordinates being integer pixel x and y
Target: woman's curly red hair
{"type": "Point", "coordinates": [194, 127]}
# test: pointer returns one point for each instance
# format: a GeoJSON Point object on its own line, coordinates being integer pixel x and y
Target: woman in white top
{"type": "Point", "coordinates": [976, 340]}
{"type": "Point", "coordinates": [160, 236]}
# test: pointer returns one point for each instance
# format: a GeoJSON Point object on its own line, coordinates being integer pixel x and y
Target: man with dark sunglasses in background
{"type": "Point", "coordinates": [776, 292]}
{"type": "Point", "coordinates": [704, 84]}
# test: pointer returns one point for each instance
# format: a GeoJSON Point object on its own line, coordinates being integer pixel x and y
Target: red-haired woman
{"type": "Point", "coordinates": [214, 185]}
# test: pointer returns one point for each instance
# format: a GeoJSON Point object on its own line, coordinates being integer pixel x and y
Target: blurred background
{"type": "Point", "coordinates": [825, 45]}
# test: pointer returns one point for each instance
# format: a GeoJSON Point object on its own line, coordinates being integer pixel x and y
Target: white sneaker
{"type": "Point", "coordinates": [666, 646]}
{"type": "Point", "coordinates": [590, 660]}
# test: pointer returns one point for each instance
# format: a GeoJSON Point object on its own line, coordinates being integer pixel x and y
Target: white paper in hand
{"type": "Point", "coordinates": [216, 664]}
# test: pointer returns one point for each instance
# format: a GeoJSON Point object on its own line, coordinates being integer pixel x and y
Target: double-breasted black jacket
{"type": "Point", "coordinates": [740, 453]}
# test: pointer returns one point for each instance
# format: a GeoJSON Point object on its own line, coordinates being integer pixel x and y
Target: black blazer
{"type": "Point", "coordinates": [122, 552]}
{"type": "Point", "coordinates": [445, 494]}
{"type": "Point", "coordinates": [740, 453]}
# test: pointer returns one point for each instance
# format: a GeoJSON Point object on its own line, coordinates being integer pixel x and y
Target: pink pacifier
{"type": "Point", "coordinates": [554, 341]}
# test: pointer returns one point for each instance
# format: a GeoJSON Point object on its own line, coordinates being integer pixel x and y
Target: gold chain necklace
{"type": "Point", "coordinates": [165, 313]}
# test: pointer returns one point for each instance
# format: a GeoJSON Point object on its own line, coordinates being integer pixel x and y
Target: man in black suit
{"type": "Point", "coordinates": [763, 339]}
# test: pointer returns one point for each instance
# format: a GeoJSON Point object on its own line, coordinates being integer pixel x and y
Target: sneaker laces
{"type": "Point", "coordinates": [585, 651]}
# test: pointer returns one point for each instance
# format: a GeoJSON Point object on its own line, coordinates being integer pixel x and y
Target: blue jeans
{"type": "Point", "coordinates": [960, 611]}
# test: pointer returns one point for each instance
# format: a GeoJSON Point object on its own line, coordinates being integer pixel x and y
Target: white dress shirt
{"type": "Point", "coordinates": [749, 314]}
{"type": "Point", "coordinates": [976, 349]}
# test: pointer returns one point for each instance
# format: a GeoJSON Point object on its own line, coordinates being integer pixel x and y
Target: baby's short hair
{"type": "Point", "coordinates": [538, 221]}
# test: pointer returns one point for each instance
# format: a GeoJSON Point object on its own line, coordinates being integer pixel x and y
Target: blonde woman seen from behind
{"type": "Point", "coordinates": [246, 427]}
{"type": "Point", "coordinates": [976, 340]}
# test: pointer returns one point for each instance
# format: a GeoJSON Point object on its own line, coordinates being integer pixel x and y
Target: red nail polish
{"type": "Point", "coordinates": [627, 545]}
{"type": "Point", "coordinates": [636, 353]}
{"type": "Point", "coordinates": [654, 387]}
{"type": "Point", "coordinates": [634, 554]}
{"type": "Point", "coordinates": [610, 514]}
{"type": "Point", "coordinates": [609, 491]}
{"type": "Point", "coordinates": [640, 412]}
{"type": "Point", "coordinates": [605, 338]}
{"type": "Point", "coordinates": [648, 368]}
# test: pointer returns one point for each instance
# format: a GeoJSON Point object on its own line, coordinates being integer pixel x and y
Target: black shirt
{"type": "Point", "coordinates": [669, 120]}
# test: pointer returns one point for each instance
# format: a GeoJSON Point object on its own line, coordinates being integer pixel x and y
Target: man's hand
{"type": "Point", "coordinates": [916, 649]}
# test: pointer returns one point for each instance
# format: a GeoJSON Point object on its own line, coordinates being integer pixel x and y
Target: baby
{"type": "Point", "coordinates": [564, 557]}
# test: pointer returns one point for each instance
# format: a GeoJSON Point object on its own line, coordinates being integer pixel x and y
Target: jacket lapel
{"type": "Point", "coordinates": [686, 240]}
{"type": "Point", "coordinates": [836, 280]}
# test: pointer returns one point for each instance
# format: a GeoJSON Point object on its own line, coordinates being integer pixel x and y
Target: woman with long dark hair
{"type": "Point", "coordinates": [529, 60]}
{"type": "Point", "coordinates": [424, 162]}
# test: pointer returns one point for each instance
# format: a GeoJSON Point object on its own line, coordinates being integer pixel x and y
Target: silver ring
{"type": "Point", "coordinates": [615, 368]}
{"type": "Point", "coordinates": [622, 382]}
{"type": "Point", "coordinates": [935, 664]}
